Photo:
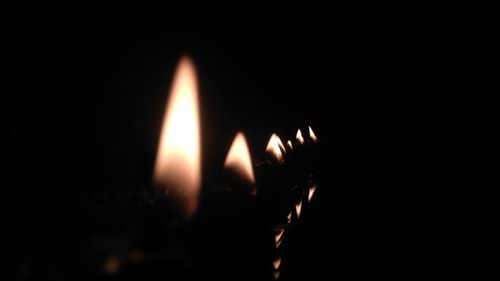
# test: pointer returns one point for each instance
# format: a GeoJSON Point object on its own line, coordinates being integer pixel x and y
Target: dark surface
{"type": "Point", "coordinates": [86, 88]}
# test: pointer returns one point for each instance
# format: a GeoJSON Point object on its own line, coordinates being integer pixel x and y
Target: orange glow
{"type": "Point", "coordinates": [238, 158]}
{"type": "Point", "coordinates": [273, 148]}
{"type": "Point", "coordinates": [298, 208]}
{"type": "Point", "coordinates": [278, 235]}
{"type": "Point", "coordinates": [289, 143]}
{"type": "Point", "coordinates": [178, 166]}
{"type": "Point", "coordinates": [276, 274]}
{"type": "Point", "coordinates": [112, 265]}
{"type": "Point", "coordinates": [312, 189]}
{"type": "Point", "coordinates": [278, 243]}
{"type": "Point", "coordinates": [299, 137]}
{"type": "Point", "coordinates": [312, 135]}
{"type": "Point", "coordinates": [277, 263]}
{"type": "Point", "coordinates": [289, 217]}
{"type": "Point", "coordinates": [278, 140]}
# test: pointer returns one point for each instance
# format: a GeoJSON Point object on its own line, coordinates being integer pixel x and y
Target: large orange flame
{"type": "Point", "coordinates": [312, 135]}
{"type": "Point", "coordinates": [273, 148]}
{"type": "Point", "coordinates": [299, 137]}
{"type": "Point", "coordinates": [238, 158]}
{"type": "Point", "coordinates": [178, 166]}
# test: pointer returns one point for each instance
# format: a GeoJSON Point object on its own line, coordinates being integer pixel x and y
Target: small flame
{"type": "Point", "coordinates": [278, 235]}
{"type": "Point", "coordinates": [276, 274]}
{"type": "Point", "coordinates": [277, 263]}
{"type": "Point", "coordinates": [238, 158]}
{"type": "Point", "coordinates": [178, 166]}
{"type": "Point", "coordinates": [289, 217]}
{"type": "Point", "coordinates": [278, 140]}
{"type": "Point", "coordinates": [312, 135]}
{"type": "Point", "coordinates": [289, 143]}
{"type": "Point", "coordinates": [312, 189]}
{"type": "Point", "coordinates": [273, 147]}
{"type": "Point", "coordinates": [298, 208]}
{"type": "Point", "coordinates": [278, 243]}
{"type": "Point", "coordinates": [299, 137]}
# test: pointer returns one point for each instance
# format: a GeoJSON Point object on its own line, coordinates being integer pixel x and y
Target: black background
{"type": "Point", "coordinates": [86, 88]}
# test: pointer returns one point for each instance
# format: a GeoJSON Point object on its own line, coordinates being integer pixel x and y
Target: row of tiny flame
{"type": "Point", "coordinates": [280, 230]}
{"type": "Point", "coordinates": [178, 163]}
{"type": "Point", "coordinates": [275, 147]}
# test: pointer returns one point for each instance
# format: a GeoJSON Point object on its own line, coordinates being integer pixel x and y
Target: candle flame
{"type": "Point", "coordinates": [298, 208]}
{"type": "Point", "coordinates": [278, 235]}
{"type": "Point", "coordinates": [278, 140]}
{"type": "Point", "coordinates": [277, 263]}
{"type": "Point", "coordinates": [178, 166]}
{"type": "Point", "coordinates": [289, 217]}
{"type": "Point", "coordinates": [274, 149]}
{"type": "Point", "coordinates": [278, 243]}
{"type": "Point", "coordinates": [299, 137]}
{"type": "Point", "coordinates": [289, 143]}
{"type": "Point", "coordinates": [238, 158]}
{"type": "Point", "coordinates": [312, 189]}
{"type": "Point", "coordinates": [276, 274]}
{"type": "Point", "coordinates": [312, 135]}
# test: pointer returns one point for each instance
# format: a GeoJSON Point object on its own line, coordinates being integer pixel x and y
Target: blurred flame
{"type": "Point", "coordinates": [278, 140]}
{"type": "Point", "coordinates": [299, 137]}
{"type": "Point", "coordinates": [276, 274]}
{"type": "Point", "coordinates": [278, 243]}
{"type": "Point", "coordinates": [277, 263]}
{"type": "Point", "coordinates": [238, 158]}
{"type": "Point", "coordinates": [312, 135]}
{"type": "Point", "coordinates": [289, 217]}
{"type": "Point", "coordinates": [312, 189]}
{"type": "Point", "coordinates": [178, 165]}
{"type": "Point", "coordinates": [278, 235]}
{"type": "Point", "coordinates": [289, 143]}
{"type": "Point", "coordinates": [112, 264]}
{"type": "Point", "coordinates": [298, 208]}
{"type": "Point", "coordinates": [273, 147]}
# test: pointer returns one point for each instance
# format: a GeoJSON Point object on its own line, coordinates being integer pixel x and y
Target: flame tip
{"type": "Point", "coordinates": [238, 158]}
{"type": "Point", "coordinates": [312, 135]}
{"type": "Point", "coordinates": [275, 148]}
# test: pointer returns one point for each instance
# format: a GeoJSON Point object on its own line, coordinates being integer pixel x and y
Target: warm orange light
{"type": "Point", "coordinates": [312, 135]}
{"type": "Point", "coordinates": [238, 158]}
{"type": "Point", "coordinates": [278, 243]}
{"type": "Point", "coordinates": [178, 166]}
{"type": "Point", "coordinates": [298, 208]}
{"type": "Point", "coordinates": [278, 140]}
{"type": "Point", "coordinates": [289, 217]}
{"type": "Point", "coordinates": [312, 189]}
{"type": "Point", "coordinates": [277, 263]}
{"type": "Point", "coordinates": [299, 137]}
{"type": "Point", "coordinates": [112, 265]}
{"type": "Point", "coordinates": [273, 148]}
{"type": "Point", "coordinates": [279, 234]}
{"type": "Point", "coordinates": [289, 143]}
